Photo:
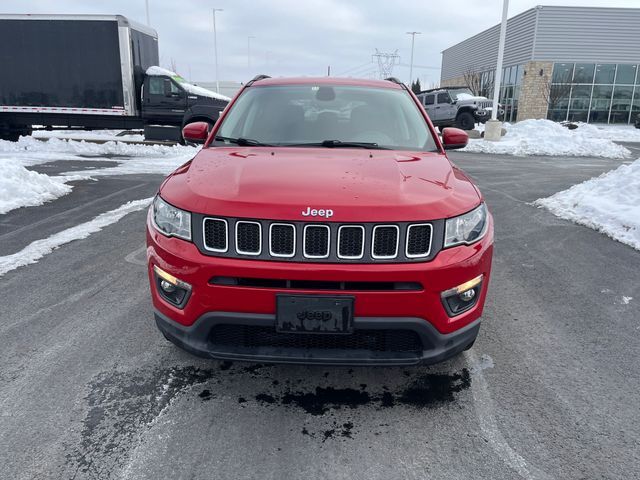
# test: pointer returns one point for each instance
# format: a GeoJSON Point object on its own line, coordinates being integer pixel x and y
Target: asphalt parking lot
{"type": "Point", "coordinates": [551, 389]}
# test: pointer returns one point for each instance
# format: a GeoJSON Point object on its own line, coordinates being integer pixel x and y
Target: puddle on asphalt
{"type": "Point", "coordinates": [122, 404]}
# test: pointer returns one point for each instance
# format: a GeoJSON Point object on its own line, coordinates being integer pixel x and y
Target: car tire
{"type": "Point", "coordinates": [465, 121]}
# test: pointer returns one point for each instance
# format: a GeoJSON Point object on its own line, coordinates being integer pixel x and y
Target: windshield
{"type": "Point", "coordinates": [308, 115]}
{"type": "Point", "coordinates": [461, 94]}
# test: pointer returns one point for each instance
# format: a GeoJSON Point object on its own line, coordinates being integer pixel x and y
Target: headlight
{"type": "Point", "coordinates": [171, 221]}
{"type": "Point", "coordinates": [467, 228]}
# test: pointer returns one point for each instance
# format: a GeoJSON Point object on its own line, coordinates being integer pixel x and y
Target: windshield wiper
{"type": "Point", "coordinates": [339, 144]}
{"type": "Point", "coordinates": [243, 142]}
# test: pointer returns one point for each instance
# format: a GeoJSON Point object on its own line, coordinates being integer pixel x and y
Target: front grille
{"type": "Point", "coordinates": [330, 242]}
{"type": "Point", "coordinates": [249, 336]}
{"type": "Point", "coordinates": [215, 234]}
{"type": "Point", "coordinates": [316, 241]}
{"type": "Point", "coordinates": [385, 241]}
{"type": "Point", "coordinates": [282, 240]}
{"type": "Point", "coordinates": [419, 240]}
{"type": "Point", "coordinates": [248, 238]}
{"type": "Point", "coordinates": [351, 241]}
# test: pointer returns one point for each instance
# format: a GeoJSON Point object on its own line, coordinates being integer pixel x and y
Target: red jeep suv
{"type": "Point", "coordinates": [322, 222]}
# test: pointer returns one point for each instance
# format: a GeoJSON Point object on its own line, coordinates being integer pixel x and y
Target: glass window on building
{"type": "Point", "coordinates": [558, 102]}
{"type": "Point", "coordinates": [621, 104]}
{"type": "Point", "coordinates": [605, 73]}
{"type": "Point", "coordinates": [579, 104]}
{"type": "Point", "coordinates": [562, 72]}
{"type": "Point", "coordinates": [583, 73]}
{"type": "Point", "coordinates": [600, 103]}
{"type": "Point", "coordinates": [635, 105]}
{"type": "Point", "coordinates": [626, 74]}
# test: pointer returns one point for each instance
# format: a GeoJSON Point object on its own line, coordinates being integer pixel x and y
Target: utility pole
{"type": "Point", "coordinates": [329, 71]}
{"type": "Point", "coordinates": [413, 38]}
{"type": "Point", "coordinates": [146, 5]}
{"type": "Point", "coordinates": [215, 47]}
{"type": "Point", "coordinates": [386, 62]}
{"type": "Point", "coordinates": [249, 50]}
{"type": "Point", "coordinates": [493, 128]}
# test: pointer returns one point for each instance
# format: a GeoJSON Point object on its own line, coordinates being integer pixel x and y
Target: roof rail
{"type": "Point", "coordinates": [394, 80]}
{"type": "Point", "coordinates": [257, 78]}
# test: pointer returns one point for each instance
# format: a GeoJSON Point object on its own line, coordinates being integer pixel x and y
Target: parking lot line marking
{"type": "Point", "coordinates": [484, 410]}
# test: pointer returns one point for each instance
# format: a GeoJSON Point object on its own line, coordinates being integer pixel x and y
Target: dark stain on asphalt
{"type": "Point", "coordinates": [426, 391]}
{"type": "Point", "coordinates": [205, 395]}
{"type": "Point", "coordinates": [265, 398]}
{"type": "Point", "coordinates": [324, 398]}
{"type": "Point", "coordinates": [121, 404]}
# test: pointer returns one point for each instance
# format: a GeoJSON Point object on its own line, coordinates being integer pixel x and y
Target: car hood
{"type": "Point", "coordinates": [356, 184]}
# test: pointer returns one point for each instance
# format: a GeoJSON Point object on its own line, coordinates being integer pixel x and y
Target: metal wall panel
{"type": "Point", "coordinates": [481, 50]}
{"type": "Point", "coordinates": [560, 34]}
{"type": "Point", "coordinates": [588, 34]}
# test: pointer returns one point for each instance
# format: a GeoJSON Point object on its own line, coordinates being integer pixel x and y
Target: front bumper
{"type": "Point", "coordinates": [198, 340]}
{"type": "Point", "coordinates": [420, 311]}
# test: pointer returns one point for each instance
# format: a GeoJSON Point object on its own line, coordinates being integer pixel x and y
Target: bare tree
{"type": "Point", "coordinates": [473, 79]}
{"type": "Point", "coordinates": [174, 68]}
{"type": "Point", "coordinates": [556, 91]}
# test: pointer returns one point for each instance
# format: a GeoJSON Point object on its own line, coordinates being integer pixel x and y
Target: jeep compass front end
{"type": "Point", "coordinates": [322, 223]}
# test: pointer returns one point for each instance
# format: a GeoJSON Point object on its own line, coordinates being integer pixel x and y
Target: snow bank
{"type": "Point", "coordinates": [619, 133]}
{"type": "Point", "coordinates": [20, 187]}
{"type": "Point", "coordinates": [38, 249]}
{"type": "Point", "coordinates": [544, 137]}
{"type": "Point", "coordinates": [609, 203]}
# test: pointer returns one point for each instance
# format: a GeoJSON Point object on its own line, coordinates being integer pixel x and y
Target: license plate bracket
{"type": "Point", "coordinates": [318, 314]}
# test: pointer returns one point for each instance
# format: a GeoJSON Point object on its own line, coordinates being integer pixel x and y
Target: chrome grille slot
{"type": "Point", "coordinates": [317, 239]}
{"type": "Point", "coordinates": [385, 241]}
{"type": "Point", "coordinates": [419, 240]}
{"type": "Point", "coordinates": [215, 234]}
{"type": "Point", "coordinates": [351, 241]}
{"type": "Point", "coordinates": [319, 242]}
{"type": "Point", "coordinates": [282, 240]}
{"type": "Point", "coordinates": [248, 238]}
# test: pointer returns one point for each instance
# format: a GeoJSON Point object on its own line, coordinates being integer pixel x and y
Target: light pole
{"type": "Point", "coordinates": [215, 47]}
{"type": "Point", "coordinates": [249, 50]}
{"type": "Point", "coordinates": [493, 128]}
{"type": "Point", "coordinates": [413, 38]}
{"type": "Point", "coordinates": [146, 6]}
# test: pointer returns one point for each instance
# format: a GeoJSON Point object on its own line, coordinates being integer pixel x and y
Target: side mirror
{"type": "Point", "coordinates": [196, 132]}
{"type": "Point", "coordinates": [453, 138]}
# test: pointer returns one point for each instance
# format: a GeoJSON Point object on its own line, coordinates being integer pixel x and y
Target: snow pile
{"type": "Point", "coordinates": [38, 249]}
{"type": "Point", "coordinates": [20, 187]}
{"type": "Point", "coordinates": [188, 87]}
{"type": "Point", "coordinates": [544, 137]}
{"type": "Point", "coordinates": [618, 133]}
{"type": "Point", "coordinates": [609, 203]}
{"type": "Point", "coordinates": [113, 135]}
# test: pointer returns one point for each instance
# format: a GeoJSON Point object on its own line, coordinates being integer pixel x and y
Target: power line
{"type": "Point", "coordinates": [344, 72]}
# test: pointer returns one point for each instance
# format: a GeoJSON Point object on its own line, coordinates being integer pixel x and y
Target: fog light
{"type": "Point", "coordinates": [167, 287]}
{"type": "Point", "coordinates": [170, 288]}
{"type": "Point", "coordinates": [468, 295]}
{"type": "Point", "coordinates": [463, 297]}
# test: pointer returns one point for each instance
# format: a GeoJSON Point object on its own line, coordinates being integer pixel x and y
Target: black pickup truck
{"type": "Point", "coordinates": [92, 72]}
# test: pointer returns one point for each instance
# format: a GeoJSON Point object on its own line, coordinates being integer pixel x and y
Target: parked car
{"type": "Point", "coordinates": [92, 72]}
{"type": "Point", "coordinates": [456, 106]}
{"type": "Point", "coordinates": [322, 222]}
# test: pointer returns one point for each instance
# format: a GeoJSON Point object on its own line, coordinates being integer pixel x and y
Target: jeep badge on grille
{"type": "Point", "coordinates": [313, 212]}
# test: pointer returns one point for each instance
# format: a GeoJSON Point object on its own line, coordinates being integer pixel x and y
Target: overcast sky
{"type": "Point", "coordinates": [303, 37]}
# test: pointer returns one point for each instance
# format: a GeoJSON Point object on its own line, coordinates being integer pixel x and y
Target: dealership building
{"type": "Point", "coordinates": [562, 63]}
